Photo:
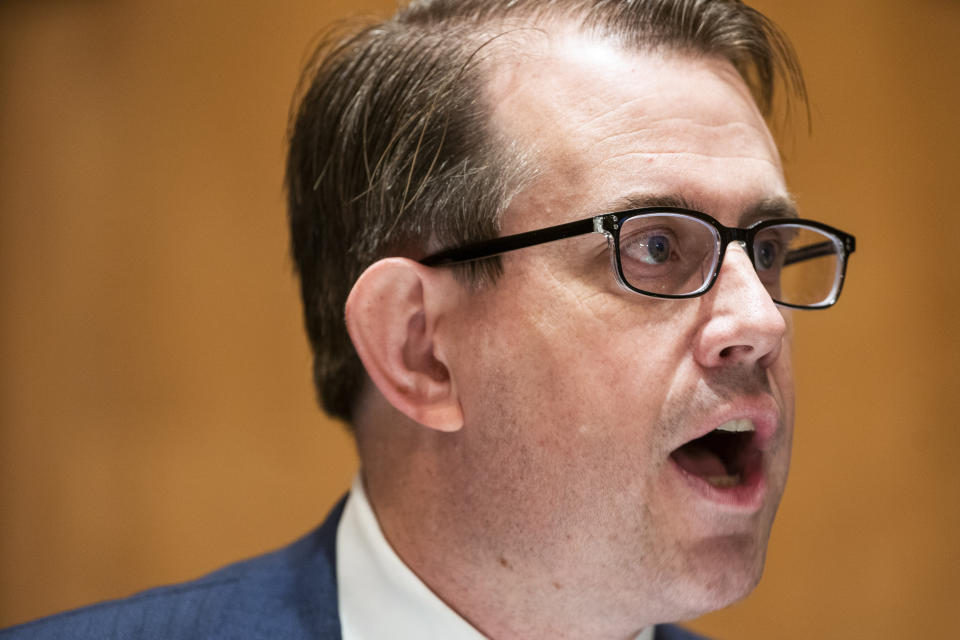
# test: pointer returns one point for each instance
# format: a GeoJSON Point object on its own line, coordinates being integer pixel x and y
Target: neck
{"type": "Point", "coordinates": [434, 510]}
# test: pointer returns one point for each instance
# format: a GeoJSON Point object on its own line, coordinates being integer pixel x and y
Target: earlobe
{"type": "Point", "coordinates": [392, 315]}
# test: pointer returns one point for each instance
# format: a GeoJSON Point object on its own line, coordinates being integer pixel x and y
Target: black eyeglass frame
{"type": "Point", "coordinates": [609, 224]}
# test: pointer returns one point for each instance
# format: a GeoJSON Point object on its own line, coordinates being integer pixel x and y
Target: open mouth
{"type": "Point", "coordinates": [726, 457]}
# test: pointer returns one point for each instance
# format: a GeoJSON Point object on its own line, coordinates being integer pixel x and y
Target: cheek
{"type": "Point", "coordinates": [783, 381]}
{"type": "Point", "coordinates": [570, 364]}
{"type": "Point", "coordinates": [782, 369]}
{"type": "Point", "coordinates": [538, 371]}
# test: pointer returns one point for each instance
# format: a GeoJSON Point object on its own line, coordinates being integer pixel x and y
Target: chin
{"type": "Point", "coordinates": [722, 571]}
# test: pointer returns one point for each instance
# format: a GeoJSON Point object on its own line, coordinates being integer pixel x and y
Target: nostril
{"type": "Point", "coordinates": [729, 352]}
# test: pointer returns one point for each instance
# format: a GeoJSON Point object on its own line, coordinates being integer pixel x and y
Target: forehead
{"type": "Point", "coordinates": [603, 124]}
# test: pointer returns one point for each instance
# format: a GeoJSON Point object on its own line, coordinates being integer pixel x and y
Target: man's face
{"type": "Point", "coordinates": [577, 394]}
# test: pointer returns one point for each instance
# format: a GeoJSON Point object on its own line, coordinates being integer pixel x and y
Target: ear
{"type": "Point", "coordinates": [392, 313]}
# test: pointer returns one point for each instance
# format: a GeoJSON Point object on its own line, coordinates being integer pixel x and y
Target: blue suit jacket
{"type": "Point", "coordinates": [290, 594]}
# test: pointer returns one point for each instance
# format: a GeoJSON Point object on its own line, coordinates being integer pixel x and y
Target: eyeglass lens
{"type": "Point", "coordinates": [675, 254]}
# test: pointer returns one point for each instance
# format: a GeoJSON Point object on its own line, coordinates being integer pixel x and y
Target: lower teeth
{"type": "Point", "coordinates": [723, 481]}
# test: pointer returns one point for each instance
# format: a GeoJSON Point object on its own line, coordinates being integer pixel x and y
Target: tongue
{"type": "Point", "coordinates": [699, 461]}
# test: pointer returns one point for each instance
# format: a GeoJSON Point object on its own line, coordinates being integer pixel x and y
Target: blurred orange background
{"type": "Point", "coordinates": [156, 411]}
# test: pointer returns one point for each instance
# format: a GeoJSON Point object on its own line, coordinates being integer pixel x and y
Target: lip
{"type": "Point", "coordinates": [749, 495]}
{"type": "Point", "coordinates": [763, 411]}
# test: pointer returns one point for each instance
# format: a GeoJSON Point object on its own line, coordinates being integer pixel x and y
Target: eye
{"type": "Point", "coordinates": [667, 253]}
{"type": "Point", "coordinates": [658, 250]}
{"type": "Point", "coordinates": [767, 254]}
{"type": "Point", "coordinates": [653, 247]}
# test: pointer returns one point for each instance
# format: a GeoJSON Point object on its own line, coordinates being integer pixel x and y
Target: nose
{"type": "Point", "coordinates": [741, 324]}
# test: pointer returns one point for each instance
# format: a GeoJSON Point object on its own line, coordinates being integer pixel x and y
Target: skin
{"type": "Point", "coordinates": [519, 463]}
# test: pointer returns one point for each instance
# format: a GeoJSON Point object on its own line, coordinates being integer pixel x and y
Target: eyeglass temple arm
{"type": "Point", "coordinates": [496, 246]}
{"type": "Point", "coordinates": [816, 250]}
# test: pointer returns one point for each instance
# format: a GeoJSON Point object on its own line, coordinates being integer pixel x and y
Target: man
{"type": "Point", "coordinates": [547, 256]}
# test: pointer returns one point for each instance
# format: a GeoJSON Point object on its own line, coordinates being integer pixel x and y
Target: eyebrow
{"type": "Point", "coordinates": [778, 207]}
{"type": "Point", "coordinates": [775, 207]}
{"type": "Point", "coordinates": [646, 200]}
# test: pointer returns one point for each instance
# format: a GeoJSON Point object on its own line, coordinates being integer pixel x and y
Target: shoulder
{"type": "Point", "coordinates": [287, 594]}
{"type": "Point", "coordinates": [673, 632]}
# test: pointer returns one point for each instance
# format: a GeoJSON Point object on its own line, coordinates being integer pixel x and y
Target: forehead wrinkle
{"type": "Point", "coordinates": [645, 106]}
{"type": "Point", "coordinates": [644, 154]}
{"type": "Point", "coordinates": [635, 109]}
{"type": "Point", "coordinates": [663, 131]}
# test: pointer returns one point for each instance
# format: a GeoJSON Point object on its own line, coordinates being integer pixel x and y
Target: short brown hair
{"type": "Point", "coordinates": [391, 147]}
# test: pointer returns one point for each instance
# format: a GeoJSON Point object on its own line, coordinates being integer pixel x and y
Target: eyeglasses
{"type": "Point", "coordinates": [669, 252]}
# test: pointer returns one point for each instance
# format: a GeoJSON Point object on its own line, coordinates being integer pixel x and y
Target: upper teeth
{"type": "Point", "coordinates": [737, 426]}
